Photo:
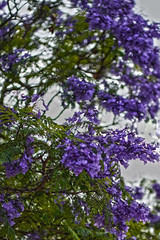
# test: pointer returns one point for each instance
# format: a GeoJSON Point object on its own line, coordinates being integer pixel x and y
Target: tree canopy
{"type": "Point", "coordinates": [64, 181]}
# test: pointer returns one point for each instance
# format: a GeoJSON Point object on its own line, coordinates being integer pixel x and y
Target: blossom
{"type": "Point", "coordinates": [23, 163]}
{"type": "Point", "coordinates": [117, 104]}
{"type": "Point", "coordinates": [11, 208]}
{"type": "Point", "coordinates": [8, 60]}
{"type": "Point", "coordinates": [111, 147]}
{"type": "Point", "coordinates": [80, 89]}
{"type": "Point", "coordinates": [153, 218]}
{"type": "Point", "coordinates": [132, 31]}
{"type": "Point", "coordinates": [79, 157]}
{"type": "Point", "coordinates": [2, 4]}
{"type": "Point", "coordinates": [138, 193]}
{"type": "Point", "coordinates": [156, 187]}
{"type": "Point", "coordinates": [135, 35]}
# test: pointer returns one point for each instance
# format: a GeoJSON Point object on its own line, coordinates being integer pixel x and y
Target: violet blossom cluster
{"type": "Point", "coordinates": [113, 146]}
{"type": "Point", "coordinates": [133, 32]}
{"type": "Point", "coordinates": [118, 104]}
{"type": "Point", "coordinates": [154, 218]}
{"type": "Point", "coordinates": [76, 89]}
{"type": "Point", "coordinates": [8, 60]}
{"type": "Point", "coordinates": [22, 164]}
{"type": "Point", "coordinates": [136, 35]}
{"type": "Point", "coordinates": [120, 211]}
{"type": "Point", "coordinates": [144, 90]}
{"type": "Point", "coordinates": [100, 155]}
{"type": "Point", "coordinates": [143, 101]}
{"type": "Point", "coordinates": [138, 193]}
{"type": "Point", "coordinates": [2, 4]}
{"type": "Point", "coordinates": [156, 187]}
{"type": "Point", "coordinates": [11, 208]}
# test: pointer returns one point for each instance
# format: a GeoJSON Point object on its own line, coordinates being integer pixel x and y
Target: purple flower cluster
{"type": "Point", "coordinates": [138, 43]}
{"type": "Point", "coordinates": [89, 112]}
{"type": "Point", "coordinates": [145, 90]}
{"type": "Point", "coordinates": [138, 193]}
{"type": "Point", "coordinates": [118, 104]}
{"type": "Point", "coordinates": [79, 156]}
{"type": "Point", "coordinates": [132, 31]}
{"type": "Point", "coordinates": [2, 4]}
{"type": "Point", "coordinates": [83, 153]}
{"type": "Point", "coordinates": [99, 155]}
{"type": "Point", "coordinates": [120, 211]}
{"type": "Point", "coordinates": [8, 60]}
{"type": "Point", "coordinates": [156, 187]}
{"type": "Point", "coordinates": [10, 208]}
{"type": "Point", "coordinates": [141, 102]}
{"type": "Point", "coordinates": [154, 218]}
{"type": "Point", "coordinates": [144, 98]}
{"type": "Point", "coordinates": [136, 35]}
{"type": "Point", "coordinates": [79, 89]}
{"type": "Point", "coordinates": [135, 107]}
{"type": "Point", "coordinates": [90, 150]}
{"type": "Point", "coordinates": [122, 146]}
{"type": "Point", "coordinates": [23, 163]}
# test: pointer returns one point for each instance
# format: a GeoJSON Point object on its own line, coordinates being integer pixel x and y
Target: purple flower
{"type": "Point", "coordinates": [118, 104]}
{"type": "Point", "coordinates": [8, 60]}
{"type": "Point", "coordinates": [99, 221]}
{"type": "Point", "coordinates": [138, 193]}
{"type": "Point", "coordinates": [11, 208]}
{"type": "Point", "coordinates": [153, 218]}
{"type": "Point", "coordinates": [96, 154]}
{"type": "Point", "coordinates": [91, 114]}
{"type": "Point", "coordinates": [135, 35]}
{"type": "Point", "coordinates": [23, 163]}
{"type": "Point", "coordinates": [132, 32]}
{"type": "Point", "coordinates": [156, 187]}
{"type": "Point", "coordinates": [2, 4]}
{"type": "Point", "coordinates": [35, 235]}
{"type": "Point", "coordinates": [118, 212]}
{"type": "Point", "coordinates": [79, 156]}
{"type": "Point", "coordinates": [88, 112]}
{"type": "Point", "coordinates": [79, 89]}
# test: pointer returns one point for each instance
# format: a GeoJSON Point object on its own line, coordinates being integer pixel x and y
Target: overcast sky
{"type": "Point", "coordinates": [150, 8]}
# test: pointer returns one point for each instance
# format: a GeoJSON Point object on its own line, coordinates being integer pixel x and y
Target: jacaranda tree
{"type": "Point", "coordinates": [64, 181]}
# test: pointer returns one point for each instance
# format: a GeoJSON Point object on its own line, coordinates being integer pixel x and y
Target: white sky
{"type": "Point", "coordinates": [150, 8]}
